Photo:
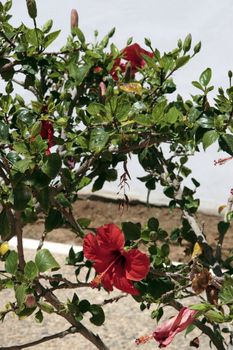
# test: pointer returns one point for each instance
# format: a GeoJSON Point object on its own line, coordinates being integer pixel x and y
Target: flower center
{"type": "Point", "coordinates": [98, 279]}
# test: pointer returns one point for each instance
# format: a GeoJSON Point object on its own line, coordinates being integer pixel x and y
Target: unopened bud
{"type": "Point", "coordinates": [230, 74]}
{"type": "Point", "coordinates": [74, 18]}
{"type": "Point", "coordinates": [102, 88]}
{"type": "Point", "coordinates": [32, 9]}
{"type": "Point", "coordinates": [30, 301]}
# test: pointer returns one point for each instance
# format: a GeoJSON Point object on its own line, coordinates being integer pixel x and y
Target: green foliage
{"type": "Point", "coordinates": [44, 261]}
{"type": "Point", "coordinates": [87, 117]}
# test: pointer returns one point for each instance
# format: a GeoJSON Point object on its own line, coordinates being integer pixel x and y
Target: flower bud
{"type": "Point", "coordinates": [30, 301]}
{"type": "Point", "coordinates": [230, 74]}
{"type": "Point", "coordinates": [102, 89]}
{"type": "Point", "coordinates": [73, 19]}
{"type": "Point", "coordinates": [32, 9]}
{"type": "Point", "coordinates": [197, 47]}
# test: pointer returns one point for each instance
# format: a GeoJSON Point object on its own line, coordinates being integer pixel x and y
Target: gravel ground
{"type": "Point", "coordinates": [124, 323]}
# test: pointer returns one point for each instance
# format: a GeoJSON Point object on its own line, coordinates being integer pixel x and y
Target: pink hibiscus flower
{"type": "Point", "coordinates": [165, 333]}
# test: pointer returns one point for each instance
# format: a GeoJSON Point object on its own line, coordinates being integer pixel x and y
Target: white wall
{"type": "Point", "coordinates": [164, 22]}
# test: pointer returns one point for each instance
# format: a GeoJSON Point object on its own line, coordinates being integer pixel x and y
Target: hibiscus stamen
{"type": "Point", "coordinates": [97, 280]}
{"type": "Point", "coordinates": [144, 339]}
{"type": "Point", "coordinates": [222, 161]}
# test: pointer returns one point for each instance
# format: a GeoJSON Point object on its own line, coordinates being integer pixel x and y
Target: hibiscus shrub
{"type": "Point", "coordinates": [87, 109]}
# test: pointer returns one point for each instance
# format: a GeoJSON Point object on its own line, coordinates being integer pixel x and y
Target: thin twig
{"type": "Point", "coordinates": [42, 240]}
{"type": "Point", "coordinates": [29, 88]}
{"type": "Point", "coordinates": [19, 235]}
{"type": "Point", "coordinates": [66, 283]}
{"type": "Point", "coordinates": [9, 66]}
{"type": "Point", "coordinates": [62, 334]}
{"type": "Point", "coordinates": [221, 237]}
{"type": "Point", "coordinates": [113, 300]}
{"type": "Point", "coordinates": [86, 333]}
{"type": "Point", "coordinates": [202, 240]}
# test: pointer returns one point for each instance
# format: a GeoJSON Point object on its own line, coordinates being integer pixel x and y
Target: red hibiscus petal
{"type": "Point", "coordinates": [133, 53]}
{"type": "Point", "coordinates": [110, 238]}
{"type": "Point", "coordinates": [93, 252]}
{"type": "Point", "coordinates": [90, 247]}
{"type": "Point", "coordinates": [107, 282]}
{"type": "Point", "coordinates": [122, 283]}
{"type": "Point", "coordinates": [137, 265]}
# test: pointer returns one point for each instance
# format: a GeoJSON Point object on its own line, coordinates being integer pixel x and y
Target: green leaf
{"type": "Point", "coordinates": [11, 264]}
{"type": "Point", "coordinates": [4, 225]}
{"type": "Point", "coordinates": [47, 26]}
{"type": "Point", "coordinates": [200, 307]}
{"type": "Point", "coordinates": [45, 261]}
{"type": "Point", "coordinates": [46, 308]}
{"type": "Point", "coordinates": [205, 77]}
{"type": "Point", "coordinates": [215, 316]}
{"type": "Point", "coordinates": [226, 292]}
{"type": "Point", "coordinates": [79, 33]}
{"type": "Point", "coordinates": [98, 316]}
{"type": "Point", "coordinates": [8, 5]}
{"type": "Point", "coordinates": [181, 61]}
{"type": "Point", "coordinates": [52, 165]}
{"type": "Point", "coordinates": [22, 196]}
{"type": "Point", "coordinates": [132, 231]}
{"type": "Point", "coordinates": [23, 165]}
{"type": "Point", "coordinates": [144, 119]}
{"type": "Point", "coordinates": [26, 117]}
{"type": "Point", "coordinates": [20, 294]}
{"type": "Point", "coordinates": [98, 113]}
{"type": "Point", "coordinates": [153, 224]}
{"type": "Point", "coordinates": [209, 138]}
{"type": "Point", "coordinates": [53, 220]}
{"type": "Point", "coordinates": [159, 287]}
{"type": "Point", "coordinates": [226, 143]}
{"type": "Point", "coordinates": [158, 111]}
{"type": "Point", "coordinates": [30, 270]}
{"type": "Point", "coordinates": [198, 85]}
{"type": "Point", "coordinates": [98, 139]}
{"type": "Point", "coordinates": [31, 36]}
{"type": "Point", "coordinates": [84, 306]}
{"type": "Point", "coordinates": [173, 115]}
{"type": "Point", "coordinates": [84, 222]}
{"type": "Point", "coordinates": [39, 316]}
{"type": "Point", "coordinates": [189, 329]}
{"type": "Point", "coordinates": [4, 132]}
{"type": "Point", "coordinates": [50, 38]}
{"type": "Point", "coordinates": [122, 109]}
{"type": "Point", "coordinates": [223, 227]}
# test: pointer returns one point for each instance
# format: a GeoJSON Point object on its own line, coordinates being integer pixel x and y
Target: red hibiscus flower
{"type": "Point", "coordinates": [46, 133]}
{"type": "Point", "coordinates": [114, 265]}
{"type": "Point", "coordinates": [165, 333]}
{"type": "Point", "coordinates": [133, 54]}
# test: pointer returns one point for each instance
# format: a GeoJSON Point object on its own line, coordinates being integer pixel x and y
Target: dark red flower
{"type": "Point", "coordinates": [115, 266]}
{"type": "Point", "coordinates": [46, 133]}
{"type": "Point", "coordinates": [133, 54]}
